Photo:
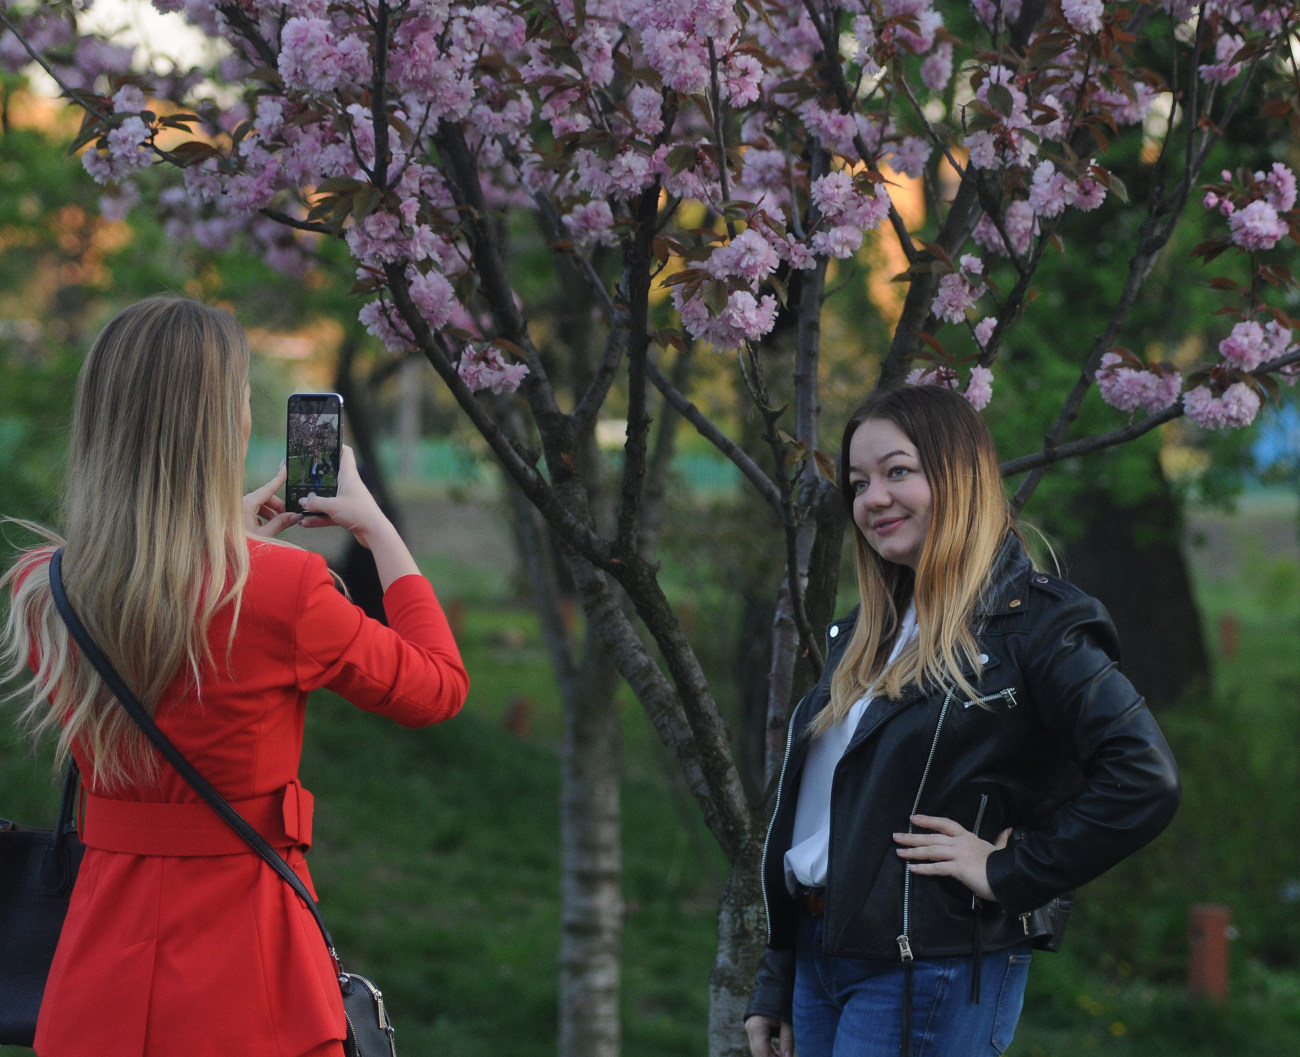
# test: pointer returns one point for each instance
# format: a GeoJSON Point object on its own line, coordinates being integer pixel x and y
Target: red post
{"type": "Point", "coordinates": [1209, 929]}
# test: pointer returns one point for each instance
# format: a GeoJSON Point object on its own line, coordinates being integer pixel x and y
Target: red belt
{"type": "Point", "coordinates": [138, 827]}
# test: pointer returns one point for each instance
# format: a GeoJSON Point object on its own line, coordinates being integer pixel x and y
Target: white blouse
{"type": "Point", "coordinates": [805, 862]}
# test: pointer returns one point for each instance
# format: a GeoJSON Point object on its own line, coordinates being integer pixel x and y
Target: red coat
{"type": "Point", "coordinates": [180, 940]}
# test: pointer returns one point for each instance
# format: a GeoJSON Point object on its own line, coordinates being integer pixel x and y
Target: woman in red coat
{"type": "Point", "coordinates": [180, 939]}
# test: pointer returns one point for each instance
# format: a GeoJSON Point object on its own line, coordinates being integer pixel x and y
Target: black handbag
{"type": "Point", "coordinates": [38, 868]}
{"type": "Point", "coordinates": [370, 1032]}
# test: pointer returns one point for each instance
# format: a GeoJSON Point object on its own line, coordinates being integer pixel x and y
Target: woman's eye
{"type": "Point", "coordinates": [858, 486]}
{"type": "Point", "coordinates": [898, 471]}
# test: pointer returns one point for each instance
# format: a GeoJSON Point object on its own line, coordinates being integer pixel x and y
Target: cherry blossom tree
{"type": "Point", "coordinates": [701, 171]}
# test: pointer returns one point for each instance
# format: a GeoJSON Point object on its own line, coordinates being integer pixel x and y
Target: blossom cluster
{"type": "Point", "coordinates": [979, 386]}
{"type": "Point", "coordinates": [1257, 207]}
{"type": "Point", "coordinates": [593, 113]}
{"type": "Point", "coordinates": [1129, 386]}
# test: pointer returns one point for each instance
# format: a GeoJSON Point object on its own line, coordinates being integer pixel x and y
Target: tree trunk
{"type": "Point", "coordinates": [742, 934]}
{"type": "Point", "coordinates": [1131, 559]}
{"type": "Point", "coordinates": [591, 899]}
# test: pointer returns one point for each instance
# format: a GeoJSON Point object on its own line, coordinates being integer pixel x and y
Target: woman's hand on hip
{"type": "Point", "coordinates": [769, 1037]}
{"type": "Point", "coordinates": [950, 850]}
{"type": "Point", "coordinates": [264, 512]}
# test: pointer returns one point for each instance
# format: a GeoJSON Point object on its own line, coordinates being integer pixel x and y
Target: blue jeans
{"type": "Point", "coordinates": [853, 1007]}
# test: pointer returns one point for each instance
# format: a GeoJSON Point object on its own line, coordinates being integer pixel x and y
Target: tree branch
{"type": "Point", "coordinates": [1153, 235]}
{"type": "Point", "coordinates": [752, 472]}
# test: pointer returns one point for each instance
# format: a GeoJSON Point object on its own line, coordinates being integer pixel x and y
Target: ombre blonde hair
{"type": "Point", "coordinates": [154, 539]}
{"type": "Point", "coordinates": [969, 519]}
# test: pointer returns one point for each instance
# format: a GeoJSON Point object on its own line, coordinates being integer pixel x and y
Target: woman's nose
{"type": "Point", "coordinates": [877, 495]}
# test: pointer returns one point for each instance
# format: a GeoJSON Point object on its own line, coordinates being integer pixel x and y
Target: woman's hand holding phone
{"type": "Point", "coordinates": [355, 509]}
{"type": "Point", "coordinates": [264, 512]}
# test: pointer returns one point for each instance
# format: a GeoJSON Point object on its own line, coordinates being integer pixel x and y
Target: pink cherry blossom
{"type": "Point", "coordinates": [744, 318]}
{"type": "Point", "coordinates": [591, 224]}
{"type": "Point", "coordinates": [1235, 409]}
{"type": "Point", "coordinates": [936, 70]}
{"type": "Point", "coordinates": [434, 297]}
{"type": "Point", "coordinates": [1130, 106]}
{"type": "Point", "coordinates": [997, 12]}
{"type": "Point", "coordinates": [1257, 227]}
{"type": "Point", "coordinates": [958, 291]}
{"type": "Point", "coordinates": [485, 368]}
{"type": "Point", "coordinates": [940, 375]}
{"type": "Point", "coordinates": [315, 58]}
{"type": "Point", "coordinates": [1279, 187]}
{"type": "Point", "coordinates": [1130, 389]}
{"type": "Point", "coordinates": [979, 391]}
{"type": "Point", "coordinates": [915, 34]}
{"type": "Point", "coordinates": [1087, 193]}
{"type": "Point", "coordinates": [1083, 15]}
{"type": "Point", "coordinates": [1021, 226]}
{"type": "Point", "coordinates": [1246, 347]}
{"type": "Point", "coordinates": [646, 104]}
{"type": "Point", "coordinates": [910, 156]}
{"type": "Point", "coordinates": [842, 203]}
{"type": "Point", "coordinates": [631, 172]}
{"type": "Point", "coordinates": [864, 36]}
{"type": "Point", "coordinates": [1224, 69]}
{"type": "Point", "coordinates": [384, 324]}
{"type": "Point", "coordinates": [1049, 193]}
{"type": "Point", "coordinates": [595, 47]}
{"type": "Point", "coordinates": [128, 99]}
{"type": "Point", "coordinates": [741, 77]}
{"type": "Point", "coordinates": [749, 256]}
{"type": "Point", "coordinates": [1277, 340]}
{"type": "Point", "coordinates": [377, 239]}
{"type": "Point", "coordinates": [984, 330]}
{"type": "Point", "coordinates": [1006, 148]}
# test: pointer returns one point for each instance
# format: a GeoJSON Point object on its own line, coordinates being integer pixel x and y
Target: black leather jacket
{"type": "Point", "coordinates": [1059, 747]}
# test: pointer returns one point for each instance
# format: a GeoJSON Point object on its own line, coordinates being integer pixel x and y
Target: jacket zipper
{"type": "Point", "coordinates": [979, 817]}
{"type": "Point", "coordinates": [975, 901]}
{"type": "Point", "coordinates": [904, 941]}
{"type": "Point", "coordinates": [1008, 695]}
{"type": "Point", "coordinates": [776, 809]}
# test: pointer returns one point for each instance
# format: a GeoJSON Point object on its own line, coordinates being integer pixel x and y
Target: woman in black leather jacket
{"type": "Point", "coordinates": [971, 755]}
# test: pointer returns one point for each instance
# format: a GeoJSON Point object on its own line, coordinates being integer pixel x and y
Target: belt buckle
{"type": "Point", "coordinates": [812, 900]}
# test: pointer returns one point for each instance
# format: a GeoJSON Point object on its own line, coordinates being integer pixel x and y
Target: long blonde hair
{"type": "Point", "coordinates": [969, 519]}
{"type": "Point", "coordinates": [154, 540]}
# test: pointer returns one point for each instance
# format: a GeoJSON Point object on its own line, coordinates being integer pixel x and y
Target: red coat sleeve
{"type": "Point", "coordinates": [410, 671]}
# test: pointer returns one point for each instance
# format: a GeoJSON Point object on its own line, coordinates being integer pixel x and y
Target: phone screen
{"type": "Point", "coordinates": [312, 455]}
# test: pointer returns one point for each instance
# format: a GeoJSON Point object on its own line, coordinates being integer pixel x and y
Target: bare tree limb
{"type": "Point", "coordinates": [753, 473]}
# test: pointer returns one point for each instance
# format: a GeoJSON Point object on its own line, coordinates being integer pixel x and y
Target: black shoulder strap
{"type": "Point", "coordinates": [173, 755]}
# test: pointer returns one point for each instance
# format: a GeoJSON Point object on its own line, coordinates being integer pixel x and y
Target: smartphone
{"type": "Point", "coordinates": [314, 445]}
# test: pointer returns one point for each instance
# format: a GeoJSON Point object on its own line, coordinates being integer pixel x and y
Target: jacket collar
{"type": "Point", "coordinates": [1009, 583]}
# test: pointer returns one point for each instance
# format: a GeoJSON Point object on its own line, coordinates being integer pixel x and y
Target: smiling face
{"type": "Point", "coordinates": [892, 500]}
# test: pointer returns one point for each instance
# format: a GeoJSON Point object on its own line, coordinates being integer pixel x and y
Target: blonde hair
{"type": "Point", "coordinates": [969, 519]}
{"type": "Point", "coordinates": [154, 538]}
